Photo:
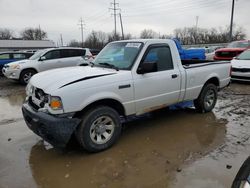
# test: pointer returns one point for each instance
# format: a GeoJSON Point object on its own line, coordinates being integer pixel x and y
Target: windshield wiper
{"type": "Point", "coordinates": [86, 64]}
{"type": "Point", "coordinates": [110, 66]}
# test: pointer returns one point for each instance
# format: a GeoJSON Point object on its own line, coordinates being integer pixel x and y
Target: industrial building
{"type": "Point", "coordinates": [11, 45]}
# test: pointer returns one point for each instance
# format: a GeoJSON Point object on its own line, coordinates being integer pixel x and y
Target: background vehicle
{"type": "Point", "coordinates": [190, 53]}
{"type": "Point", "coordinates": [210, 52]}
{"type": "Point", "coordinates": [94, 52]}
{"type": "Point", "coordinates": [241, 67]}
{"type": "Point", "coordinates": [127, 78]}
{"type": "Point", "coordinates": [7, 57]}
{"type": "Point", "coordinates": [232, 50]}
{"type": "Point", "coordinates": [44, 60]}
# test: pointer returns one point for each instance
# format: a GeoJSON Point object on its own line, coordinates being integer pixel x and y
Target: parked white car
{"type": "Point", "coordinates": [241, 67]}
{"type": "Point", "coordinates": [210, 52]}
{"type": "Point", "coordinates": [127, 78]}
{"type": "Point", "coordinates": [44, 60]}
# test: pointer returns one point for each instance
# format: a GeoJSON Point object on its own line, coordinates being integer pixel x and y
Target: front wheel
{"type": "Point", "coordinates": [26, 75]}
{"type": "Point", "coordinates": [100, 129]}
{"type": "Point", "coordinates": [207, 98]}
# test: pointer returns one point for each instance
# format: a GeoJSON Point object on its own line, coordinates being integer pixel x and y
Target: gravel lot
{"type": "Point", "coordinates": [179, 148]}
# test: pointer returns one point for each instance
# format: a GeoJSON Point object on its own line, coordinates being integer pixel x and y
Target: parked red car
{"type": "Point", "coordinates": [233, 49]}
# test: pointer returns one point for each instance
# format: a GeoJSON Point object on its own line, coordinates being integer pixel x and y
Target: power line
{"type": "Point", "coordinates": [175, 9]}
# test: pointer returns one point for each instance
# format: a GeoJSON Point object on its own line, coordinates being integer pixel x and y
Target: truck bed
{"type": "Point", "coordinates": [197, 63]}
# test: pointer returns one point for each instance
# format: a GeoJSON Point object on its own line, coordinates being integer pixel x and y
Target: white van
{"type": "Point", "coordinates": [44, 60]}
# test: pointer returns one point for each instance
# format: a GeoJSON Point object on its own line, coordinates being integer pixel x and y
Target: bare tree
{"type": "Point", "coordinates": [148, 34]}
{"type": "Point", "coordinates": [192, 35]}
{"type": "Point", "coordinates": [74, 43]}
{"type": "Point", "coordinates": [6, 34]}
{"type": "Point", "coordinates": [33, 34]}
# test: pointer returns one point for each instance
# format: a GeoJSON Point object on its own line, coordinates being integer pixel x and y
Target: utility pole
{"type": "Point", "coordinates": [196, 22]}
{"type": "Point", "coordinates": [82, 24]}
{"type": "Point", "coordinates": [61, 39]}
{"type": "Point", "coordinates": [120, 15]}
{"type": "Point", "coordinates": [114, 8]}
{"type": "Point", "coordinates": [40, 32]}
{"type": "Point", "coordinates": [231, 24]}
{"type": "Point", "coordinates": [196, 27]}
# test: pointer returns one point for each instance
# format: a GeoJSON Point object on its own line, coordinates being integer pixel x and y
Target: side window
{"type": "Point", "coordinates": [55, 54]}
{"type": "Point", "coordinates": [161, 55]}
{"type": "Point", "coordinates": [19, 56]}
{"type": "Point", "coordinates": [80, 52]}
{"type": "Point", "coordinates": [72, 53]}
{"type": "Point", "coordinates": [4, 56]}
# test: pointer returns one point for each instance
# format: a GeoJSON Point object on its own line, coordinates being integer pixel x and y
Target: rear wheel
{"type": "Point", "coordinates": [100, 129]}
{"type": "Point", "coordinates": [207, 98]}
{"type": "Point", "coordinates": [26, 75]}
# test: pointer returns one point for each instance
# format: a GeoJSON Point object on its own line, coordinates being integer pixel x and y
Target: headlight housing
{"type": "Point", "coordinates": [55, 103]}
{"type": "Point", "coordinates": [29, 89]}
{"type": "Point", "coordinates": [15, 66]}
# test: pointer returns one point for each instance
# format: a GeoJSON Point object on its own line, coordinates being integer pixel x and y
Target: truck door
{"type": "Point", "coordinates": [159, 85]}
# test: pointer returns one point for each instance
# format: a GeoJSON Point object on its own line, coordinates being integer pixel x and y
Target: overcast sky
{"type": "Point", "coordinates": [62, 16]}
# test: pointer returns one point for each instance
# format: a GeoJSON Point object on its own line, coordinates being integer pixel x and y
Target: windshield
{"type": "Point", "coordinates": [37, 55]}
{"type": "Point", "coordinates": [244, 55]}
{"type": "Point", "coordinates": [238, 44]}
{"type": "Point", "coordinates": [120, 55]}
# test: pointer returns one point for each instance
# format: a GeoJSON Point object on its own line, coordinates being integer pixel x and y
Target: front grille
{"type": "Point", "coordinates": [240, 77]}
{"type": "Point", "coordinates": [228, 54]}
{"type": "Point", "coordinates": [41, 96]}
{"type": "Point", "coordinates": [240, 70]}
{"type": "Point", "coordinates": [33, 105]}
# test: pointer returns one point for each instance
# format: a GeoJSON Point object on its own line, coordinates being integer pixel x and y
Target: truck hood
{"type": "Point", "coordinates": [58, 78]}
{"type": "Point", "coordinates": [243, 64]}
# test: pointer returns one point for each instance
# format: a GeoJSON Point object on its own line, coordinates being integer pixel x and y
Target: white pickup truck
{"type": "Point", "coordinates": [127, 78]}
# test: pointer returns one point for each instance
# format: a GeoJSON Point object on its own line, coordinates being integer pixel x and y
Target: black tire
{"type": "Point", "coordinates": [26, 75]}
{"type": "Point", "coordinates": [89, 132]}
{"type": "Point", "coordinates": [202, 104]}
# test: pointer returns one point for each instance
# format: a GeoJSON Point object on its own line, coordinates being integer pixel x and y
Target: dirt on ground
{"type": "Point", "coordinates": [168, 148]}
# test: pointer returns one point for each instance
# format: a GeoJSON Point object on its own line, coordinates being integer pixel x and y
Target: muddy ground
{"type": "Point", "coordinates": [179, 148]}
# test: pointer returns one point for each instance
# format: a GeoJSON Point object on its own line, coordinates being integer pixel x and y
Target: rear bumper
{"type": "Point", "coordinates": [55, 130]}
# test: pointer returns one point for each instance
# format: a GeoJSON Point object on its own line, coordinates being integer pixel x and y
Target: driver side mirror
{"type": "Point", "coordinates": [147, 67]}
{"type": "Point", "coordinates": [42, 58]}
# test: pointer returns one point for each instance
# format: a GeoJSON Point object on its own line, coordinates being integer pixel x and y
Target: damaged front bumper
{"type": "Point", "coordinates": [55, 130]}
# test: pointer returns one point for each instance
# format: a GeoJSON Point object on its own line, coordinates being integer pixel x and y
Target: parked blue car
{"type": "Point", "coordinates": [8, 57]}
{"type": "Point", "coordinates": [198, 54]}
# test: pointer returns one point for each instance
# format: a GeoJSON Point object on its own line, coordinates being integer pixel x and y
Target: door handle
{"type": "Point", "coordinates": [174, 75]}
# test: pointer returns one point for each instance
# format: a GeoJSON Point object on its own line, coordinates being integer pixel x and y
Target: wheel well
{"type": "Point", "coordinates": [214, 81]}
{"type": "Point", "coordinates": [105, 102]}
{"type": "Point", "coordinates": [28, 69]}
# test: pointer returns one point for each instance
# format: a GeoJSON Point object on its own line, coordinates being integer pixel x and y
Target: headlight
{"type": "Point", "coordinates": [29, 89]}
{"type": "Point", "coordinates": [15, 66]}
{"type": "Point", "coordinates": [55, 103]}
